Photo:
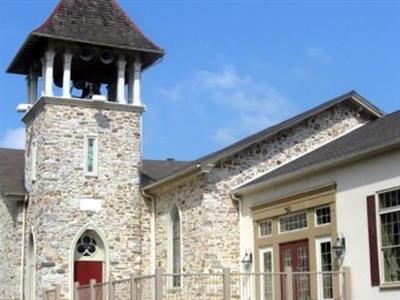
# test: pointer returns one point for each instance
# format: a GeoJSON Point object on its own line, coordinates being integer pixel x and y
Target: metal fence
{"type": "Point", "coordinates": [224, 285]}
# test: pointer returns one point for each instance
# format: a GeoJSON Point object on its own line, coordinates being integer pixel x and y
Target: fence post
{"type": "Point", "coordinates": [159, 284]}
{"type": "Point", "coordinates": [289, 283]}
{"type": "Point", "coordinates": [58, 292]}
{"type": "Point", "coordinates": [111, 293]}
{"type": "Point", "coordinates": [92, 290]}
{"type": "Point", "coordinates": [346, 283]}
{"type": "Point", "coordinates": [76, 292]}
{"type": "Point", "coordinates": [133, 287]}
{"type": "Point", "coordinates": [227, 283]}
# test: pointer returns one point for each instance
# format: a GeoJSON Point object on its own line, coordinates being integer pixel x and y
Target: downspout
{"type": "Point", "coordinates": [239, 201]}
{"type": "Point", "coordinates": [24, 208]}
{"type": "Point", "coordinates": [153, 228]}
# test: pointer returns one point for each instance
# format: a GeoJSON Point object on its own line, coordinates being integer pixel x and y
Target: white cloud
{"type": "Point", "coordinates": [14, 138]}
{"type": "Point", "coordinates": [250, 103]}
{"type": "Point", "coordinates": [318, 54]}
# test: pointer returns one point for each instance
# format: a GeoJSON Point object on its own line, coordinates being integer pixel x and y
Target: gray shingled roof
{"type": "Point", "coordinates": [352, 97]}
{"type": "Point", "coordinates": [12, 165]}
{"type": "Point", "coordinates": [99, 22]}
{"type": "Point", "coordinates": [377, 134]}
{"type": "Point", "coordinates": [153, 170]}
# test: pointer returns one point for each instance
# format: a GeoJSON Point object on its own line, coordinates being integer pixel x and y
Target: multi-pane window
{"type": "Point", "coordinates": [265, 227]}
{"type": "Point", "coordinates": [267, 279]}
{"type": "Point", "coordinates": [91, 156]}
{"type": "Point", "coordinates": [389, 211]}
{"type": "Point", "coordinates": [293, 222]}
{"type": "Point", "coordinates": [323, 215]}
{"type": "Point", "coordinates": [302, 280]}
{"type": "Point", "coordinates": [176, 246]}
{"type": "Point", "coordinates": [325, 261]}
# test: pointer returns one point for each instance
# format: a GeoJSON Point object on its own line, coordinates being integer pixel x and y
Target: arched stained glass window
{"type": "Point", "coordinates": [176, 245]}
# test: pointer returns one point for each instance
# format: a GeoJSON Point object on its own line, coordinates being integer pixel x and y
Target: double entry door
{"type": "Point", "coordinates": [296, 255]}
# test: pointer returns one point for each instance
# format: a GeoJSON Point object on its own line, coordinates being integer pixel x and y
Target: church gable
{"type": "Point", "coordinates": [210, 218]}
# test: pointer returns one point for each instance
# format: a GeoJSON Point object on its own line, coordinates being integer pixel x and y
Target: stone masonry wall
{"type": "Point", "coordinates": [55, 213]}
{"type": "Point", "coordinates": [10, 247]}
{"type": "Point", "coordinates": [210, 218]}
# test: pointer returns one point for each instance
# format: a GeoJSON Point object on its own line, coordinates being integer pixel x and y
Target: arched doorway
{"type": "Point", "coordinates": [89, 258]}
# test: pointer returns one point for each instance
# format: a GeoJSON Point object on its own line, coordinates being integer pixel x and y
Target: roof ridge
{"type": "Point", "coordinates": [11, 149]}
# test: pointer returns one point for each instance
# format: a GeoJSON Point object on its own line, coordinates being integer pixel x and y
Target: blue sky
{"type": "Point", "coordinates": [233, 67]}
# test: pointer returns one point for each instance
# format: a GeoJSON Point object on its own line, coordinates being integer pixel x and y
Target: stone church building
{"type": "Point", "coordinates": [81, 202]}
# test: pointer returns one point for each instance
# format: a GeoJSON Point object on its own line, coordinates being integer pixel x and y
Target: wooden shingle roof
{"type": "Point", "coordinates": [97, 22]}
{"type": "Point", "coordinates": [12, 167]}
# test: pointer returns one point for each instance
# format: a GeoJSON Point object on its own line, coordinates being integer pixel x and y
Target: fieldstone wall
{"type": "Point", "coordinates": [11, 219]}
{"type": "Point", "coordinates": [210, 218]}
{"type": "Point", "coordinates": [55, 211]}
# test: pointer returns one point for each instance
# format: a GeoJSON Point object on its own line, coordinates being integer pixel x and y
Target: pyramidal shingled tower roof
{"type": "Point", "coordinates": [98, 22]}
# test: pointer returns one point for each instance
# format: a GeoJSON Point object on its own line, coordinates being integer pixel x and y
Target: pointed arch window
{"type": "Point", "coordinates": [176, 245]}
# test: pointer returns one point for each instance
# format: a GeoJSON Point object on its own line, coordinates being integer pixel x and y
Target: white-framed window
{"type": "Point", "coordinates": [265, 228]}
{"type": "Point", "coordinates": [267, 277]}
{"type": "Point", "coordinates": [293, 222]}
{"type": "Point", "coordinates": [324, 264]}
{"type": "Point", "coordinates": [389, 220]}
{"type": "Point", "coordinates": [322, 215]}
{"type": "Point", "coordinates": [90, 155]}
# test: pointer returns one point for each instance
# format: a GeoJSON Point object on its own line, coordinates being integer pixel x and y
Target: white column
{"type": "Point", "coordinates": [47, 75]}
{"type": "Point", "coordinates": [67, 74]}
{"type": "Point", "coordinates": [34, 86]}
{"type": "Point", "coordinates": [32, 81]}
{"type": "Point", "coordinates": [137, 99]}
{"type": "Point", "coordinates": [121, 81]}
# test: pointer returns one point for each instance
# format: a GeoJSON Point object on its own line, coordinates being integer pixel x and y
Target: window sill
{"type": "Point", "coordinates": [388, 286]}
{"type": "Point", "coordinates": [91, 175]}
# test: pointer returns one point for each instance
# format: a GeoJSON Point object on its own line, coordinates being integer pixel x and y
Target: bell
{"type": "Point", "coordinates": [106, 56]}
{"type": "Point", "coordinates": [86, 54]}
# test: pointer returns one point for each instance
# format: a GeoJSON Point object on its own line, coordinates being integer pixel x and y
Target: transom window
{"type": "Point", "coordinates": [86, 246]}
{"type": "Point", "coordinates": [323, 215]}
{"type": "Point", "coordinates": [265, 227]}
{"type": "Point", "coordinates": [293, 222]}
{"type": "Point", "coordinates": [389, 211]}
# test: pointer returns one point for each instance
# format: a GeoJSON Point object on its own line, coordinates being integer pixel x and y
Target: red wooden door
{"type": "Point", "coordinates": [84, 271]}
{"type": "Point", "coordinates": [295, 255]}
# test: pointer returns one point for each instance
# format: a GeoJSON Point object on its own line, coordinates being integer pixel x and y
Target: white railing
{"type": "Point", "coordinates": [224, 285]}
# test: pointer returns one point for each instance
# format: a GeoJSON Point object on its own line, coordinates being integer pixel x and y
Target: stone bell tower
{"type": "Point", "coordinates": [83, 145]}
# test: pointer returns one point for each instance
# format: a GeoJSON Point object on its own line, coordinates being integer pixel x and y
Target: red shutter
{"type": "Point", "coordinates": [373, 241]}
